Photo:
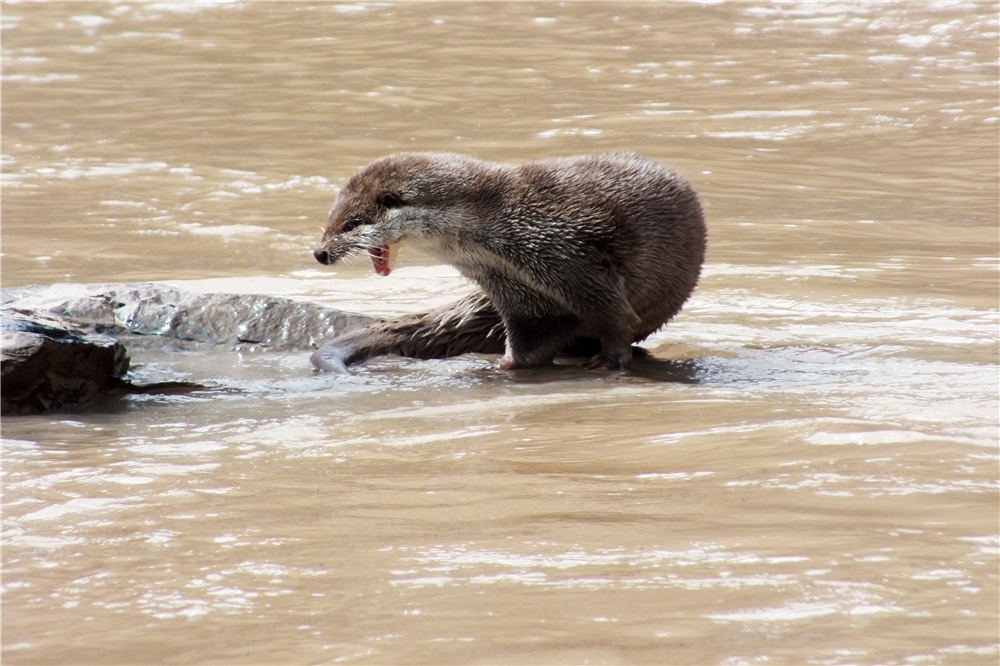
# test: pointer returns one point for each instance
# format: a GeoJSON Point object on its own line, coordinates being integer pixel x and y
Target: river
{"type": "Point", "coordinates": [808, 473]}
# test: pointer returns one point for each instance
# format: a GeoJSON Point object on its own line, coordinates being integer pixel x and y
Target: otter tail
{"type": "Point", "coordinates": [472, 325]}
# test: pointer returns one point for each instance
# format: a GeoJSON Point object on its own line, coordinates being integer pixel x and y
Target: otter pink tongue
{"type": "Point", "coordinates": [380, 259]}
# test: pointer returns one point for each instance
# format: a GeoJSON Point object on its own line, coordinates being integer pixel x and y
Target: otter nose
{"type": "Point", "coordinates": [322, 256]}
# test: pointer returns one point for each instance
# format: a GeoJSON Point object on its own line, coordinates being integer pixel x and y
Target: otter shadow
{"type": "Point", "coordinates": [645, 368]}
{"type": "Point", "coordinates": [668, 370]}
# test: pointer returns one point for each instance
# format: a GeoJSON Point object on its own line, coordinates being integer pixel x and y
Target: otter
{"type": "Point", "coordinates": [584, 255]}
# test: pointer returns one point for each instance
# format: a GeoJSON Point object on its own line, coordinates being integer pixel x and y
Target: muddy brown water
{"type": "Point", "coordinates": [808, 473]}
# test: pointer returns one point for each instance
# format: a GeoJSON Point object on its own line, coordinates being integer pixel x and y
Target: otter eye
{"type": "Point", "coordinates": [391, 200]}
{"type": "Point", "coordinates": [351, 226]}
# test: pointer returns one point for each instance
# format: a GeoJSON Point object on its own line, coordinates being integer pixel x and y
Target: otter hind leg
{"type": "Point", "coordinates": [613, 322]}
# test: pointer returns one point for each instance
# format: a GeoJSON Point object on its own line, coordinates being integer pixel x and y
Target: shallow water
{"type": "Point", "coordinates": [807, 472]}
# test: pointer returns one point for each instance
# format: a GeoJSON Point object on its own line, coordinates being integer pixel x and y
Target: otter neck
{"type": "Point", "coordinates": [452, 227]}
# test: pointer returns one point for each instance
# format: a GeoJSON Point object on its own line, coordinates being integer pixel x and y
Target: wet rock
{"type": "Point", "coordinates": [65, 345]}
{"type": "Point", "coordinates": [44, 365]}
{"type": "Point", "coordinates": [133, 310]}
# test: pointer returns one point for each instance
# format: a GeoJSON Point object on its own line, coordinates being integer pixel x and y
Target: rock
{"type": "Point", "coordinates": [127, 311]}
{"type": "Point", "coordinates": [45, 366]}
{"type": "Point", "coordinates": [63, 345]}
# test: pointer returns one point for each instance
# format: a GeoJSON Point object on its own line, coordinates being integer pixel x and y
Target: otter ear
{"type": "Point", "coordinates": [390, 200]}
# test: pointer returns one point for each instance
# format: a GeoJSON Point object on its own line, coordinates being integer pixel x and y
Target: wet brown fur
{"type": "Point", "coordinates": [599, 249]}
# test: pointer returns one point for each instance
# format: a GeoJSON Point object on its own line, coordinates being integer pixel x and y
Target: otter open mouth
{"type": "Point", "coordinates": [381, 259]}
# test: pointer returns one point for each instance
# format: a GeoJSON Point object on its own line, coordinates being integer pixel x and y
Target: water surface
{"type": "Point", "coordinates": [807, 472]}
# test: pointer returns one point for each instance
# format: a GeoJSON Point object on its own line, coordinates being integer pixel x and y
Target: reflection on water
{"type": "Point", "coordinates": [805, 472]}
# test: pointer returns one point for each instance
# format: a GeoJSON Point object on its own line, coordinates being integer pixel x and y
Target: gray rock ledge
{"type": "Point", "coordinates": [66, 345]}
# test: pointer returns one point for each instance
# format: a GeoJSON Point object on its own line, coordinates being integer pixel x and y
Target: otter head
{"type": "Point", "coordinates": [362, 218]}
{"type": "Point", "coordinates": [400, 197]}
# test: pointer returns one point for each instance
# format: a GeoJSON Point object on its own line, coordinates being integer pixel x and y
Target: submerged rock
{"type": "Point", "coordinates": [65, 345]}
